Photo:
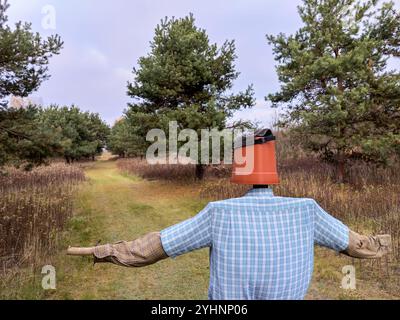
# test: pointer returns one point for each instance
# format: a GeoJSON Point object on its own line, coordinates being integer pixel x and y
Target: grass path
{"type": "Point", "coordinates": [112, 207]}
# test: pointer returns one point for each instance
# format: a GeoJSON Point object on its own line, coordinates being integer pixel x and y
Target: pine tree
{"type": "Point", "coordinates": [342, 100]}
{"type": "Point", "coordinates": [186, 78]}
{"type": "Point", "coordinates": [124, 141]}
{"type": "Point", "coordinates": [24, 58]}
{"type": "Point", "coordinates": [83, 134]}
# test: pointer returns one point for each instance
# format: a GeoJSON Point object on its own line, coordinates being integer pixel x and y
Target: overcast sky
{"type": "Point", "coordinates": [104, 39]}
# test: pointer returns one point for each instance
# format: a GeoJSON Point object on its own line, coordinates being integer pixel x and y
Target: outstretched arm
{"type": "Point", "coordinates": [138, 253]}
{"type": "Point", "coordinates": [189, 235]}
{"type": "Point", "coordinates": [333, 234]}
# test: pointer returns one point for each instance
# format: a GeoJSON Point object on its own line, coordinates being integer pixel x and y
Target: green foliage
{"type": "Point", "coordinates": [52, 132]}
{"type": "Point", "coordinates": [185, 78]}
{"type": "Point", "coordinates": [83, 134]}
{"type": "Point", "coordinates": [343, 101]}
{"type": "Point", "coordinates": [183, 69]}
{"type": "Point", "coordinates": [24, 57]}
{"type": "Point", "coordinates": [124, 139]}
{"type": "Point", "coordinates": [23, 138]}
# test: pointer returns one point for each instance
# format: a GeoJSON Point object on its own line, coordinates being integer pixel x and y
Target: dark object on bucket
{"type": "Point", "coordinates": [254, 159]}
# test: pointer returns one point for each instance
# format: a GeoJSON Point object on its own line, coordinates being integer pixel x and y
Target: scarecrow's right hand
{"type": "Point", "coordinates": [368, 247]}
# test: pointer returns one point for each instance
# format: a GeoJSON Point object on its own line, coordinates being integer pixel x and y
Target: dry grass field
{"type": "Point", "coordinates": [123, 199]}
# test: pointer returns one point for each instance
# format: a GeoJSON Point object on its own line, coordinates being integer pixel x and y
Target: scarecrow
{"type": "Point", "coordinates": [261, 245]}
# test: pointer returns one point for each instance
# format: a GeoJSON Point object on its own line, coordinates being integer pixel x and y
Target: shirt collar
{"type": "Point", "coordinates": [260, 192]}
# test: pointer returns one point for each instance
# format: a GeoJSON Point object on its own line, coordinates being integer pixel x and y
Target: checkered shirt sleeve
{"type": "Point", "coordinates": [189, 235]}
{"type": "Point", "coordinates": [328, 231]}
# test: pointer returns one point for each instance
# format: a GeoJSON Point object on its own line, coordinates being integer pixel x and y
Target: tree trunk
{"type": "Point", "coordinates": [340, 171]}
{"type": "Point", "coordinates": [200, 170]}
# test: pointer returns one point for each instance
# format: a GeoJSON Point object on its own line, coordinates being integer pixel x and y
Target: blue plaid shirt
{"type": "Point", "coordinates": [261, 246]}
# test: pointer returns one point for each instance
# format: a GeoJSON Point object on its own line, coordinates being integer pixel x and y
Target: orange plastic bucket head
{"type": "Point", "coordinates": [254, 159]}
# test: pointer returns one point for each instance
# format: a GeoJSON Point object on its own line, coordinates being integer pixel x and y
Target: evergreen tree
{"type": "Point", "coordinates": [342, 100]}
{"type": "Point", "coordinates": [185, 78]}
{"type": "Point", "coordinates": [124, 141]}
{"type": "Point", "coordinates": [24, 57]}
{"type": "Point", "coordinates": [84, 134]}
{"type": "Point", "coordinates": [24, 140]}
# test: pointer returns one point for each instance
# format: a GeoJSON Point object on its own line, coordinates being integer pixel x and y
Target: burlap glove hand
{"type": "Point", "coordinates": [368, 247]}
{"type": "Point", "coordinates": [138, 253]}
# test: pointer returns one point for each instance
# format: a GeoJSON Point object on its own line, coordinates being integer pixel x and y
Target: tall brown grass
{"type": "Point", "coordinates": [34, 207]}
{"type": "Point", "coordinates": [169, 172]}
